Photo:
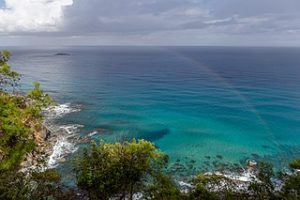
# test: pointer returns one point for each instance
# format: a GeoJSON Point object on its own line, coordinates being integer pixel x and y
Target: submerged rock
{"type": "Point", "coordinates": [155, 135]}
{"type": "Point", "coordinates": [207, 157]}
{"type": "Point", "coordinates": [219, 157]}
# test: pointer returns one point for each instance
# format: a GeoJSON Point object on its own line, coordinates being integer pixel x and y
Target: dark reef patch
{"type": "Point", "coordinates": [154, 135]}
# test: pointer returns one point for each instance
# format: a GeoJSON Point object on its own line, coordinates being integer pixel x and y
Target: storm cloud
{"type": "Point", "coordinates": [154, 22]}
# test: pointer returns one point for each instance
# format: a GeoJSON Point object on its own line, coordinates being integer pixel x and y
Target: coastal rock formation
{"type": "Point", "coordinates": [36, 159]}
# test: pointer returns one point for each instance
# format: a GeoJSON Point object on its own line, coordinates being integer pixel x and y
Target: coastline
{"type": "Point", "coordinates": [56, 141]}
{"type": "Point", "coordinates": [52, 140]}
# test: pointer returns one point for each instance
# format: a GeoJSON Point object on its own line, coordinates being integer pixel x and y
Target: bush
{"type": "Point", "coordinates": [212, 186]}
{"type": "Point", "coordinates": [120, 169]}
{"type": "Point", "coordinates": [295, 164]}
{"type": "Point", "coordinates": [15, 133]}
{"type": "Point", "coordinates": [162, 188]}
{"type": "Point", "coordinates": [291, 188]}
{"type": "Point", "coordinates": [263, 188]}
{"type": "Point", "coordinates": [8, 78]}
{"type": "Point", "coordinates": [44, 185]}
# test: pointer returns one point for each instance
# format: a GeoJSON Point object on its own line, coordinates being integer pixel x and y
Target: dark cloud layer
{"type": "Point", "coordinates": [179, 22]}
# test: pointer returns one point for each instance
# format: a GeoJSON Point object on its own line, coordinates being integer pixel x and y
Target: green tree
{"type": "Point", "coordinates": [33, 185]}
{"type": "Point", "coordinates": [20, 121]}
{"type": "Point", "coordinates": [40, 98]}
{"type": "Point", "coordinates": [295, 164]}
{"type": "Point", "coordinates": [15, 134]}
{"type": "Point", "coordinates": [264, 188]}
{"type": "Point", "coordinates": [120, 169]}
{"type": "Point", "coordinates": [9, 79]}
{"type": "Point", "coordinates": [162, 188]}
{"type": "Point", "coordinates": [214, 187]}
{"type": "Point", "coordinates": [291, 188]}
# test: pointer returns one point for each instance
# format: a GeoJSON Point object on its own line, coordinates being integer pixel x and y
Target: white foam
{"type": "Point", "coordinates": [60, 110]}
{"type": "Point", "coordinates": [70, 129]}
{"type": "Point", "coordinates": [92, 133]}
{"type": "Point", "coordinates": [245, 176]}
{"type": "Point", "coordinates": [61, 148]}
{"type": "Point", "coordinates": [64, 144]}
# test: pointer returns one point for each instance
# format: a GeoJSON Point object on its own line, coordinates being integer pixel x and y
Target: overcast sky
{"type": "Point", "coordinates": [150, 22]}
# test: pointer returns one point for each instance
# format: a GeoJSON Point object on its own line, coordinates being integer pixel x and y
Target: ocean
{"type": "Point", "coordinates": [206, 107]}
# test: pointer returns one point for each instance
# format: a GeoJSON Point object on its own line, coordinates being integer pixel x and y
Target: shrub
{"type": "Point", "coordinates": [162, 188]}
{"type": "Point", "coordinates": [110, 170]}
{"type": "Point", "coordinates": [295, 164]}
{"type": "Point", "coordinates": [291, 188]}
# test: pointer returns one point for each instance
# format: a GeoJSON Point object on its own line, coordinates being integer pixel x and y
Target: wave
{"type": "Point", "coordinates": [67, 135]}
{"type": "Point", "coordinates": [58, 111]}
{"type": "Point", "coordinates": [91, 134]}
{"type": "Point", "coordinates": [64, 137]}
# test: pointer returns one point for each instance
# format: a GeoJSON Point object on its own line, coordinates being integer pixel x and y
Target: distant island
{"type": "Point", "coordinates": [62, 54]}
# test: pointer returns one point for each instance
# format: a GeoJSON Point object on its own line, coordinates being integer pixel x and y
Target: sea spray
{"type": "Point", "coordinates": [65, 144]}
{"type": "Point", "coordinates": [63, 136]}
{"type": "Point", "coordinates": [59, 111]}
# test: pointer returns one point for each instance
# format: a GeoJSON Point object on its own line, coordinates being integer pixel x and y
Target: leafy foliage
{"type": "Point", "coordinates": [15, 131]}
{"type": "Point", "coordinates": [162, 188]}
{"type": "Point", "coordinates": [263, 189]}
{"type": "Point", "coordinates": [8, 78]}
{"type": "Point", "coordinates": [295, 164]}
{"type": "Point", "coordinates": [40, 98]}
{"type": "Point", "coordinates": [212, 186]}
{"type": "Point", "coordinates": [291, 188]}
{"type": "Point", "coordinates": [43, 185]}
{"type": "Point", "coordinates": [20, 116]}
{"type": "Point", "coordinates": [118, 169]}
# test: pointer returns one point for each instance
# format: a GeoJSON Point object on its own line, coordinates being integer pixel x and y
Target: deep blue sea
{"type": "Point", "coordinates": [201, 105]}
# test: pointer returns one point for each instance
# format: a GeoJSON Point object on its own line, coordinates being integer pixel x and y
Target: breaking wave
{"type": "Point", "coordinates": [58, 111]}
{"type": "Point", "coordinates": [63, 137]}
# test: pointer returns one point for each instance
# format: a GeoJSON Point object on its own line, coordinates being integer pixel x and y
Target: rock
{"type": "Point", "coordinates": [61, 160]}
{"type": "Point", "coordinates": [102, 130]}
{"type": "Point", "coordinates": [207, 157]}
{"type": "Point", "coordinates": [185, 187]}
{"type": "Point", "coordinates": [48, 133]}
{"type": "Point", "coordinates": [252, 163]}
{"type": "Point", "coordinates": [36, 159]}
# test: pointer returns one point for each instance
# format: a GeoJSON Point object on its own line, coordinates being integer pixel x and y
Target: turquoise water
{"type": "Point", "coordinates": [200, 105]}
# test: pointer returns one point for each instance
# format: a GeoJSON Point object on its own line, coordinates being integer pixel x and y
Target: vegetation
{"type": "Point", "coordinates": [20, 116]}
{"type": "Point", "coordinates": [263, 187]}
{"type": "Point", "coordinates": [291, 188]}
{"type": "Point", "coordinates": [8, 78]}
{"type": "Point", "coordinates": [107, 171]}
{"type": "Point", "coordinates": [295, 164]}
{"type": "Point", "coordinates": [162, 188]}
{"type": "Point", "coordinates": [118, 169]}
{"type": "Point", "coordinates": [20, 120]}
{"type": "Point", "coordinates": [213, 187]}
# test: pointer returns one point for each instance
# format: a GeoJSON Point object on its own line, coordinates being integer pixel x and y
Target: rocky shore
{"type": "Point", "coordinates": [53, 141]}
{"type": "Point", "coordinates": [37, 159]}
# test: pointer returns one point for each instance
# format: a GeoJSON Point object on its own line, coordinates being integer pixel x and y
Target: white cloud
{"type": "Point", "coordinates": [32, 15]}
